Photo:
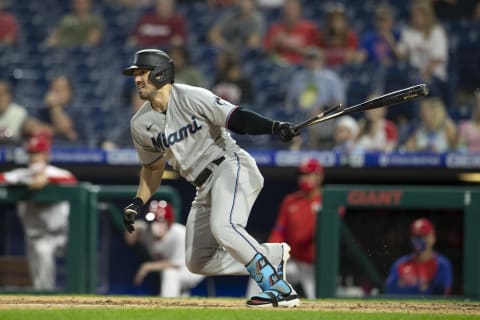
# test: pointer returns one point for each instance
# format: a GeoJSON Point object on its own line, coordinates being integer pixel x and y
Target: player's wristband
{"type": "Point", "coordinates": [138, 202]}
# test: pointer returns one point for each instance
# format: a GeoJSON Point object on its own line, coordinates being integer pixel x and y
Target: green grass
{"type": "Point", "coordinates": [208, 314]}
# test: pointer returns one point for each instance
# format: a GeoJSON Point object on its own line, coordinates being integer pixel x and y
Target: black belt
{"type": "Point", "coordinates": [203, 176]}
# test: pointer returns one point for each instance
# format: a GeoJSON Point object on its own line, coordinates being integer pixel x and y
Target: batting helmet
{"type": "Point", "coordinates": [161, 66]}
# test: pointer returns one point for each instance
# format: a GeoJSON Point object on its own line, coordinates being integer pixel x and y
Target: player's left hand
{"type": "Point", "coordinates": [285, 130]}
{"type": "Point", "coordinates": [130, 213]}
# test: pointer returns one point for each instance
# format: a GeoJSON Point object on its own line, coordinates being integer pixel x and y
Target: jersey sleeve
{"type": "Point", "coordinates": [215, 109]}
{"type": "Point", "coordinates": [17, 176]}
{"type": "Point", "coordinates": [391, 284]}
{"type": "Point", "coordinates": [146, 154]}
{"type": "Point", "coordinates": [440, 44]}
{"type": "Point", "coordinates": [60, 176]}
{"type": "Point", "coordinates": [443, 278]}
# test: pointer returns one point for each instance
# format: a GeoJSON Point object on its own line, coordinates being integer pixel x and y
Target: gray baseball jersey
{"type": "Point", "coordinates": [190, 135]}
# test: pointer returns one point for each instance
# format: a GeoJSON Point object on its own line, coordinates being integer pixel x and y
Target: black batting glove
{"type": "Point", "coordinates": [130, 213]}
{"type": "Point", "coordinates": [284, 130]}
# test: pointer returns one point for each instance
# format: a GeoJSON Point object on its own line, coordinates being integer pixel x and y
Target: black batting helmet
{"type": "Point", "coordinates": [160, 64]}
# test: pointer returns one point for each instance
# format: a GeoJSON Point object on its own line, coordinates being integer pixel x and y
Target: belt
{"type": "Point", "coordinates": [203, 176]}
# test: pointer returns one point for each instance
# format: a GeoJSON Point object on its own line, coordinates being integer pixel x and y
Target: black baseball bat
{"type": "Point", "coordinates": [388, 99]}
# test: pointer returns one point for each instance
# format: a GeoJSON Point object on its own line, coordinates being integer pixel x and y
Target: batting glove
{"type": "Point", "coordinates": [284, 130]}
{"type": "Point", "coordinates": [130, 213]}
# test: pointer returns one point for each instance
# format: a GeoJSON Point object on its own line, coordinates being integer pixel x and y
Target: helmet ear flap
{"type": "Point", "coordinates": [160, 76]}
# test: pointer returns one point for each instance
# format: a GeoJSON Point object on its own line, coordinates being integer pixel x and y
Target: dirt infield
{"type": "Point", "coordinates": [47, 302]}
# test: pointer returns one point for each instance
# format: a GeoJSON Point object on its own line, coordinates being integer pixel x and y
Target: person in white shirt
{"type": "Point", "coordinates": [45, 224]}
{"type": "Point", "coordinates": [165, 241]}
{"type": "Point", "coordinates": [424, 44]}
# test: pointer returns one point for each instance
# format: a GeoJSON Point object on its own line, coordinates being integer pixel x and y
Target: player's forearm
{"type": "Point", "coordinates": [150, 180]}
{"type": "Point", "coordinates": [158, 265]}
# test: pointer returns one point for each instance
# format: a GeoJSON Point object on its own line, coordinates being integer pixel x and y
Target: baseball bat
{"type": "Point", "coordinates": [388, 99]}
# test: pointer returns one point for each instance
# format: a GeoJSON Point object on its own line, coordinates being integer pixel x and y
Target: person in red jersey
{"type": "Point", "coordinates": [295, 225]}
{"type": "Point", "coordinates": [287, 40]}
{"type": "Point", "coordinates": [162, 28]}
{"type": "Point", "coordinates": [424, 271]}
{"type": "Point", "coordinates": [45, 224]}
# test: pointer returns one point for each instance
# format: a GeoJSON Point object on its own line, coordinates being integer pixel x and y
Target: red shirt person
{"type": "Point", "coordinates": [289, 38]}
{"type": "Point", "coordinates": [161, 28]}
{"type": "Point", "coordinates": [296, 224]}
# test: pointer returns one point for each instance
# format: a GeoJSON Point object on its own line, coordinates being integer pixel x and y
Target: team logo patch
{"type": "Point", "coordinates": [162, 141]}
{"type": "Point", "coordinates": [220, 101]}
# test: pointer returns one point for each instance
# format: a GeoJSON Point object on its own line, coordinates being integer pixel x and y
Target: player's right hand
{"type": "Point", "coordinates": [130, 213]}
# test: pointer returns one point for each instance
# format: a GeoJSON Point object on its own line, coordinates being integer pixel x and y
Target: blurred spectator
{"type": "Point", "coordinates": [122, 138]}
{"type": "Point", "coordinates": [314, 87]}
{"type": "Point", "coordinates": [425, 45]}
{"type": "Point", "coordinates": [12, 116]}
{"type": "Point", "coordinates": [242, 27]}
{"type": "Point", "coordinates": [424, 271]}
{"type": "Point", "coordinates": [15, 123]}
{"type": "Point", "coordinates": [380, 45]}
{"type": "Point", "coordinates": [339, 43]}
{"type": "Point", "coordinates": [80, 27]}
{"type": "Point", "coordinates": [346, 132]}
{"type": "Point", "coordinates": [45, 224]}
{"type": "Point", "coordinates": [287, 39]}
{"type": "Point", "coordinates": [164, 240]}
{"type": "Point", "coordinates": [8, 27]}
{"type": "Point", "coordinates": [436, 132]}
{"type": "Point", "coordinates": [296, 224]}
{"type": "Point", "coordinates": [469, 131]}
{"type": "Point", "coordinates": [230, 83]}
{"type": "Point", "coordinates": [161, 28]}
{"type": "Point", "coordinates": [185, 72]}
{"type": "Point", "coordinates": [56, 110]}
{"type": "Point", "coordinates": [376, 132]}
{"type": "Point", "coordinates": [311, 90]}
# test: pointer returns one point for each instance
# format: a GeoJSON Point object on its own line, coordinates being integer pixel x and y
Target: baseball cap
{"type": "Point", "coordinates": [349, 123]}
{"type": "Point", "coordinates": [421, 227]}
{"type": "Point", "coordinates": [39, 143]}
{"type": "Point", "coordinates": [310, 165]}
{"type": "Point", "coordinates": [160, 211]}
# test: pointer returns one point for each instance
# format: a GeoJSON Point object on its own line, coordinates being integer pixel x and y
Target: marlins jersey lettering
{"type": "Point", "coordinates": [190, 134]}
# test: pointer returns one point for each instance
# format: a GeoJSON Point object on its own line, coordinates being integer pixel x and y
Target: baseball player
{"type": "Point", "coordinates": [186, 127]}
{"type": "Point", "coordinates": [45, 224]}
{"type": "Point", "coordinates": [165, 242]}
{"type": "Point", "coordinates": [424, 271]}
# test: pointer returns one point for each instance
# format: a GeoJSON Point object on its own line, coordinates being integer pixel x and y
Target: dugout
{"type": "Point", "coordinates": [83, 251]}
{"type": "Point", "coordinates": [399, 203]}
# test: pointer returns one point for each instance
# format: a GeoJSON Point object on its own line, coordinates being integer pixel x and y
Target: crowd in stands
{"type": "Point", "coordinates": [60, 65]}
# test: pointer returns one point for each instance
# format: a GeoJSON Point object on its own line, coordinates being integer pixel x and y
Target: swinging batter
{"type": "Point", "coordinates": [186, 127]}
